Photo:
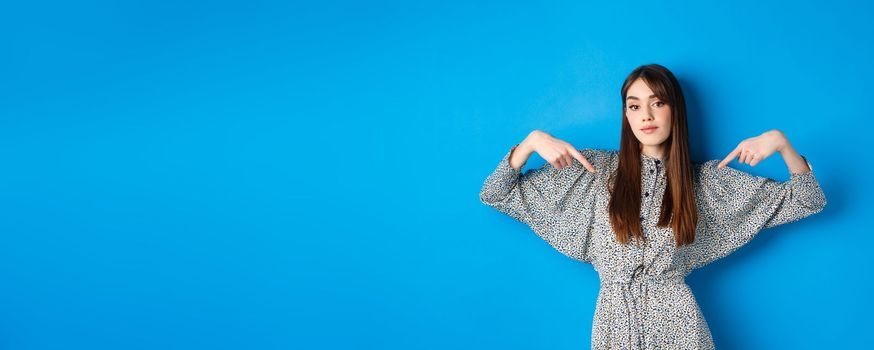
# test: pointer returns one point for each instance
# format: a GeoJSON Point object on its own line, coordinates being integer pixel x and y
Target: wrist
{"type": "Point", "coordinates": [785, 148]}
{"type": "Point", "coordinates": [783, 144]}
{"type": "Point", "coordinates": [527, 145]}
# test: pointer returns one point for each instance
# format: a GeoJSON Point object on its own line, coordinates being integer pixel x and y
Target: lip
{"type": "Point", "coordinates": [649, 129]}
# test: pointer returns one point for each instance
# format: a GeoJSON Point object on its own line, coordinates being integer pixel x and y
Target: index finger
{"type": "Point", "coordinates": [579, 157]}
{"type": "Point", "coordinates": [729, 157]}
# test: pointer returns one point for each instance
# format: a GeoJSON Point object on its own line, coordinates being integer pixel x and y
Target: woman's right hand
{"type": "Point", "coordinates": [557, 152]}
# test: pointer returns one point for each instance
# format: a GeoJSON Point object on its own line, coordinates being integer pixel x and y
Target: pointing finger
{"type": "Point", "coordinates": [585, 162]}
{"type": "Point", "coordinates": [729, 157]}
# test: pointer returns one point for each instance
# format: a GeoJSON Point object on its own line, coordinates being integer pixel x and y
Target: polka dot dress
{"type": "Point", "coordinates": [643, 301]}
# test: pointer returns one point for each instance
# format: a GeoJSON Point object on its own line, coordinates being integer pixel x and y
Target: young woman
{"type": "Point", "coordinates": [645, 216]}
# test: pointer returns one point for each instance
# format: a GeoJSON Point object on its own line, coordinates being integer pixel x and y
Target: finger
{"type": "Point", "coordinates": [742, 157]}
{"type": "Point", "coordinates": [555, 164]}
{"type": "Point", "coordinates": [560, 162]}
{"type": "Point", "coordinates": [569, 160]}
{"type": "Point", "coordinates": [756, 159]}
{"type": "Point", "coordinates": [729, 157]}
{"type": "Point", "coordinates": [585, 162]}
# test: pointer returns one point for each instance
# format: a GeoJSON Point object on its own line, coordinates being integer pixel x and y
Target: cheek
{"type": "Point", "coordinates": [633, 121]}
{"type": "Point", "coordinates": [665, 115]}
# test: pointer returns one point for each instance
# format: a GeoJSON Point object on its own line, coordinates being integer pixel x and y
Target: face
{"type": "Point", "coordinates": [644, 110]}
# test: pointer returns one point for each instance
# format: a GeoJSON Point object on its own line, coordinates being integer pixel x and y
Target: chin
{"type": "Point", "coordinates": [651, 140]}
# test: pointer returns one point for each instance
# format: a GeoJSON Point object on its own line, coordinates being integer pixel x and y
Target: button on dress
{"type": "Point", "coordinates": [644, 301]}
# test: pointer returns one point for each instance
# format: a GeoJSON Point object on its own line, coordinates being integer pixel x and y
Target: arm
{"type": "Point", "coordinates": [794, 161]}
{"type": "Point", "coordinates": [528, 197]}
{"type": "Point", "coordinates": [539, 198]}
{"type": "Point", "coordinates": [734, 206]}
{"type": "Point", "coordinates": [755, 149]}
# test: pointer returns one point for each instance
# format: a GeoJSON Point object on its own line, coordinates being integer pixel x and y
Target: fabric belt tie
{"type": "Point", "coordinates": [634, 294]}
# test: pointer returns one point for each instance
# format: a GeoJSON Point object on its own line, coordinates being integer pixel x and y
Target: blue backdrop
{"type": "Point", "coordinates": [286, 175]}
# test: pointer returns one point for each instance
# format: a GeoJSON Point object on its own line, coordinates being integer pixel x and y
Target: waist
{"type": "Point", "coordinates": [648, 279]}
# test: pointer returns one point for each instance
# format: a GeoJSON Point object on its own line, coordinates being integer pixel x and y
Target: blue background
{"type": "Point", "coordinates": [277, 175]}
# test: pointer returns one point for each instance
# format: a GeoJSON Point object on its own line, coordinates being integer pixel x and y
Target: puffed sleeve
{"type": "Point", "coordinates": [733, 206]}
{"type": "Point", "coordinates": [555, 203]}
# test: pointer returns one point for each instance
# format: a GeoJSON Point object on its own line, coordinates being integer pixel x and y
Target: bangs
{"type": "Point", "coordinates": [659, 86]}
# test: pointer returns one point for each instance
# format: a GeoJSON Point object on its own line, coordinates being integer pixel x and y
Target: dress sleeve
{"type": "Point", "coordinates": [543, 199]}
{"type": "Point", "coordinates": [734, 206]}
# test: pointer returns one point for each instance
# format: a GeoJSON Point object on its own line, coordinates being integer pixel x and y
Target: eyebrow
{"type": "Point", "coordinates": [635, 98]}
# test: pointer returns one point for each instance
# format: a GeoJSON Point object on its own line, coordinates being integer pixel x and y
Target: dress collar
{"type": "Point", "coordinates": [649, 159]}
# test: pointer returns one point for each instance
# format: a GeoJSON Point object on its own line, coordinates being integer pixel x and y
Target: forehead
{"type": "Point", "coordinates": [639, 88]}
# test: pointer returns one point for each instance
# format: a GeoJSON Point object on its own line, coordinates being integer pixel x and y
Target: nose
{"type": "Point", "coordinates": [648, 116]}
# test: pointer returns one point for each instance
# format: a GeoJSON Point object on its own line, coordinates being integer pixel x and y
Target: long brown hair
{"type": "Point", "coordinates": [625, 199]}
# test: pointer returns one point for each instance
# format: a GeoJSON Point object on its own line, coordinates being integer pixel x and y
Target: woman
{"type": "Point", "coordinates": [614, 209]}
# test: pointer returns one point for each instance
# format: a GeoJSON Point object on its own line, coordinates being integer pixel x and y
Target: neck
{"type": "Point", "coordinates": [653, 151]}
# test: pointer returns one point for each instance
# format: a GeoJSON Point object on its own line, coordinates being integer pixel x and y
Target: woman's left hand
{"type": "Point", "coordinates": [753, 150]}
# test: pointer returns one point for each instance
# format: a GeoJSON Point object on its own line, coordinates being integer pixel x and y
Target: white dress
{"type": "Point", "coordinates": [643, 301]}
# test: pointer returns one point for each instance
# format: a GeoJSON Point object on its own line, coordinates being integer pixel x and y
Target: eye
{"type": "Point", "coordinates": [660, 103]}
{"type": "Point", "coordinates": [632, 107]}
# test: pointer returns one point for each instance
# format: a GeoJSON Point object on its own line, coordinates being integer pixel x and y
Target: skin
{"type": "Point", "coordinates": [644, 109]}
{"type": "Point", "coordinates": [755, 149]}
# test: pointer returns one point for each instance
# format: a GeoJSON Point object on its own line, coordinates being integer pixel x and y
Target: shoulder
{"type": "Point", "coordinates": [705, 169]}
{"type": "Point", "coordinates": [597, 154]}
{"type": "Point", "coordinates": [709, 174]}
{"type": "Point", "coordinates": [602, 159]}
{"type": "Point", "coordinates": [702, 172]}
{"type": "Point", "coordinates": [711, 168]}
